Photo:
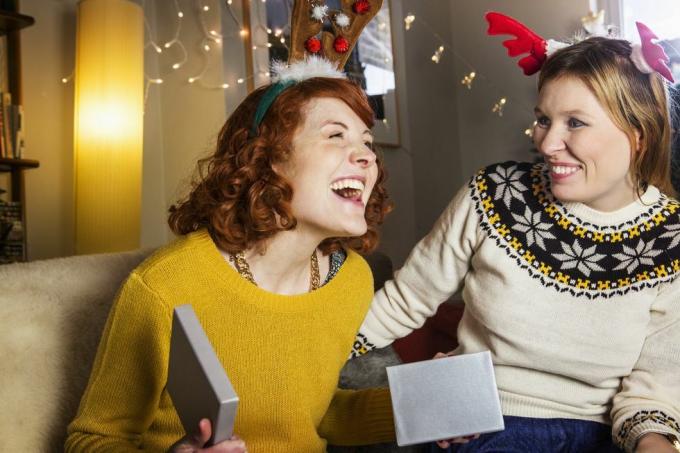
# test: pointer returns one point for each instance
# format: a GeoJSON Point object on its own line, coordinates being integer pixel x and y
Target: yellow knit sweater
{"type": "Point", "coordinates": [283, 355]}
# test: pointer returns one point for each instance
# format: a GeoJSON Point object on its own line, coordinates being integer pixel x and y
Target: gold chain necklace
{"type": "Point", "coordinates": [241, 265]}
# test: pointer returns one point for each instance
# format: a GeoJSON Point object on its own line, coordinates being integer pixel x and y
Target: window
{"type": "Point", "coordinates": [662, 16]}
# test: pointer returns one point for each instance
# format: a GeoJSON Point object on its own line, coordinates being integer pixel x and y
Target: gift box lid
{"type": "Point", "coordinates": [444, 398]}
{"type": "Point", "coordinates": [197, 382]}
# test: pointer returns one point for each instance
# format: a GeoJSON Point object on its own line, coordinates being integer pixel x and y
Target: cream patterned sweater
{"type": "Point", "coordinates": [580, 309]}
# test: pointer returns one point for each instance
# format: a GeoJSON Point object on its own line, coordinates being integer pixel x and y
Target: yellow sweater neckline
{"type": "Point", "coordinates": [349, 272]}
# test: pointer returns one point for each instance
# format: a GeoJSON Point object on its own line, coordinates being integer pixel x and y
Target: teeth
{"type": "Point", "coordinates": [348, 184]}
{"type": "Point", "coordinates": [561, 170]}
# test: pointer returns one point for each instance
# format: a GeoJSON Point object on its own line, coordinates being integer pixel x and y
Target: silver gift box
{"type": "Point", "coordinates": [444, 398]}
{"type": "Point", "coordinates": [197, 383]}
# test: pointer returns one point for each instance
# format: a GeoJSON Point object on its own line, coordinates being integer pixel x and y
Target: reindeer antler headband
{"type": "Point", "coordinates": [648, 57]}
{"type": "Point", "coordinates": [313, 51]}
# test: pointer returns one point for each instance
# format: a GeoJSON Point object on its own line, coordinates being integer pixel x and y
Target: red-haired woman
{"type": "Point", "coordinates": [268, 255]}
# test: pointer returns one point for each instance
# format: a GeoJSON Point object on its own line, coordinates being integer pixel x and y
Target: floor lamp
{"type": "Point", "coordinates": [108, 129]}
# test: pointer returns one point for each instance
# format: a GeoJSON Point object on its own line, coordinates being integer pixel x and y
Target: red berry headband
{"type": "Point", "coordinates": [313, 51]}
{"type": "Point", "coordinates": [648, 56]}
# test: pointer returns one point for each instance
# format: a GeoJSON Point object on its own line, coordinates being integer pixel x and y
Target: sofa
{"type": "Point", "coordinates": [52, 313]}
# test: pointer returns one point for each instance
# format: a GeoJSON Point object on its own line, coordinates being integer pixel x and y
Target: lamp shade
{"type": "Point", "coordinates": [108, 130]}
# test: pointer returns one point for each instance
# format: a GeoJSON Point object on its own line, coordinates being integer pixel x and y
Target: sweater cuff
{"type": "Point", "coordinates": [359, 417]}
{"type": "Point", "coordinates": [643, 422]}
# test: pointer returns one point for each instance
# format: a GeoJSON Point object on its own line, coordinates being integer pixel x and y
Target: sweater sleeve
{"type": "Point", "coordinates": [432, 273]}
{"type": "Point", "coordinates": [128, 374]}
{"type": "Point", "coordinates": [649, 398]}
{"type": "Point", "coordinates": [359, 417]}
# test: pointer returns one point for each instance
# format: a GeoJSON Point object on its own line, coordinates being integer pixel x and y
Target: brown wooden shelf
{"type": "Point", "coordinates": [7, 164]}
{"type": "Point", "coordinates": [11, 21]}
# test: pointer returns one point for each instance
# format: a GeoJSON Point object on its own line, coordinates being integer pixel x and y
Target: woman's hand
{"type": "Point", "coordinates": [192, 444]}
{"type": "Point", "coordinates": [456, 440]}
{"type": "Point", "coordinates": [654, 443]}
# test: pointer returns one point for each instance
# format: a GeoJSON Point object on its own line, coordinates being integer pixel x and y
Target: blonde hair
{"type": "Point", "coordinates": [635, 101]}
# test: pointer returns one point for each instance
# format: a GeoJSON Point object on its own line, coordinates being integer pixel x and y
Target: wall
{"type": "Point", "coordinates": [47, 55]}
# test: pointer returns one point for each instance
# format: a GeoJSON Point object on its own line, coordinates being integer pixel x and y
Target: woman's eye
{"type": "Point", "coordinates": [337, 135]}
{"type": "Point", "coordinates": [369, 145]}
{"type": "Point", "coordinates": [574, 123]}
{"type": "Point", "coordinates": [542, 121]}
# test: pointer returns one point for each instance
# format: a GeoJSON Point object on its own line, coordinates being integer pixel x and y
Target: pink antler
{"type": "Point", "coordinates": [653, 53]}
{"type": "Point", "coordinates": [526, 41]}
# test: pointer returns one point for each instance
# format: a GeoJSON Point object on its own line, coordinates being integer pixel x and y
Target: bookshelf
{"type": "Point", "coordinates": [12, 164]}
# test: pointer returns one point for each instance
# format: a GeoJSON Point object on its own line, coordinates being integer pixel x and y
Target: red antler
{"type": "Point", "coordinates": [654, 54]}
{"type": "Point", "coordinates": [526, 41]}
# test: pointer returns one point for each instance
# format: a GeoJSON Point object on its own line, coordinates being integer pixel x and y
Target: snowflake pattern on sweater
{"type": "Point", "coordinates": [516, 209]}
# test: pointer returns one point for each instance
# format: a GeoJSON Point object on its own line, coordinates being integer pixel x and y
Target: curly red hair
{"type": "Point", "coordinates": [239, 197]}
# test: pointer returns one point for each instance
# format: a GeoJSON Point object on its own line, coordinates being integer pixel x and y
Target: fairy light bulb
{"type": "Point", "coordinates": [225, 86]}
{"type": "Point", "coordinates": [468, 79]}
{"type": "Point", "coordinates": [206, 8]}
{"type": "Point", "coordinates": [206, 47]}
{"type": "Point", "coordinates": [438, 54]}
{"type": "Point", "coordinates": [529, 132]}
{"type": "Point", "coordinates": [239, 81]}
{"type": "Point", "coordinates": [408, 21]}
{"type": "Point", "coordinates": [180, 14]}
{"type": "Point", "coordinates": [176, 66]}
{"type": "Point", "coordinates": [191, 79]}
{"type": "Point", "coordinates": [499, 106]}
{"type": "Point", "coordinates": [243, 32]}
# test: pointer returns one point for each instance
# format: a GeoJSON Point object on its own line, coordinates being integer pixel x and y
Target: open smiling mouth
{"type": "Point", "coordinates": [349, 189]}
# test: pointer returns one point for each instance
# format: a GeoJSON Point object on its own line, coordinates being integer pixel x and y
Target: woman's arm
{"type": "Point", "coordinates": [649, 399]}
{"type": "Point", "coordinates": [432, 273]}
{"type": "Point", "coordinates": [128, 375]}
{"type": "Point", "coordinates": [359, 417]}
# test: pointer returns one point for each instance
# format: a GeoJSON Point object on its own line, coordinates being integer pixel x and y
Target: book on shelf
{"type": "Point", "coordinates": [11, 232]}
{"type": "Point", "coordinates": [7, 124]}
{"type": "Point", "coordinates": [11, 128]}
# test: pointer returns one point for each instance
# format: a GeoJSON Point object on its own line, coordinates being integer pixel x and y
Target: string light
{"type": "Point", "coordinates": [530, 131]}
{"type": "Point", "coordinates": [468, 79]}
{"type": "Point", "coordinates": [438, 54]}
{"type": "Point", "coordinates": [408, 20]}
{"type": "Point", "coordinates": [499, 106]}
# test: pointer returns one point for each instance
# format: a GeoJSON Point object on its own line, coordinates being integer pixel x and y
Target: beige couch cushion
{"type": "Point", "coordinates": [52, 313]}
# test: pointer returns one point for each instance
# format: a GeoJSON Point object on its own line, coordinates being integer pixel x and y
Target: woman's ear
{"type": "Point", "coordinates": [637, 140]}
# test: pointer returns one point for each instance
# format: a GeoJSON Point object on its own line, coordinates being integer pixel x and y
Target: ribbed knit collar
{"type": "Point", "coordinates": [619, 216]}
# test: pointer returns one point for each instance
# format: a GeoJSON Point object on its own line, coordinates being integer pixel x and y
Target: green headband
{"type": "Point", "coordinates": [266, 101]}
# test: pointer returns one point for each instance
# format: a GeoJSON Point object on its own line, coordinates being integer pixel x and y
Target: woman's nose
{"type": "Point", "coordinates": [549, 141]}
{"type": "Point", "coordinates": [363, 156]}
